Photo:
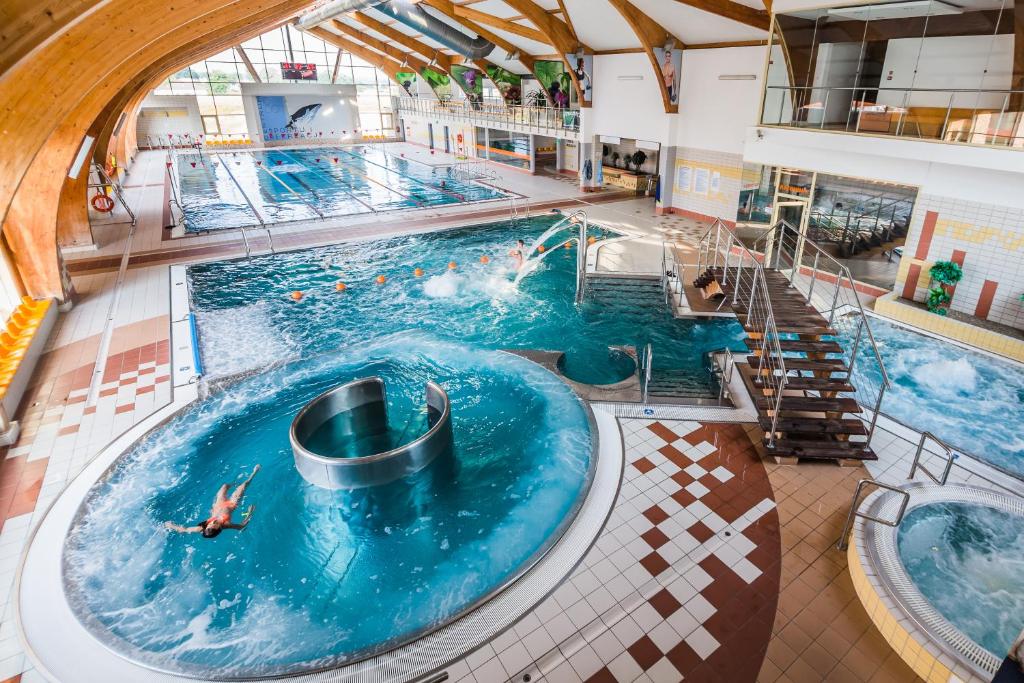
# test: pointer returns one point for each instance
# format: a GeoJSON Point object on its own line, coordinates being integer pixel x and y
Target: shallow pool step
{"type": "Point", "coordinates": [678, 384]}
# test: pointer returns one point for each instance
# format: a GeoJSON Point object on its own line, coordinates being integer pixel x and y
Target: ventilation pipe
{"type": "Point", "coordinates": [331, 9]}
{"type": "Point", "coordinates": [411, 14]}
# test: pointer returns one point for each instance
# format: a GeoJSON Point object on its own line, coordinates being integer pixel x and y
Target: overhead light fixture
{"type": "Point", "coordinates": [896, 10]}
{"type": "Point", "coordinates": [737, 77]}
{"type": "Point", "coordinates": [631, 77]}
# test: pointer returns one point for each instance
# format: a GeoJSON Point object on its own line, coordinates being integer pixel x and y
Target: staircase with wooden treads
{"type": "Point", "coordinates": [799, 376]}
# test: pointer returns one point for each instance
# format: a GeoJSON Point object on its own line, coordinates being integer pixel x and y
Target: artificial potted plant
{"type": "Point", "coordinates": [639, 157]}
{"type": "Point", "coordinates": [615, 159]}
{"type": "Point", "coordinates": [945, 274]}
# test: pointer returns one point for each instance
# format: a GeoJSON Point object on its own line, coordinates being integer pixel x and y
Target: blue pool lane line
{"type": "Point", "coordinates": [331, 179]}
{"type": "Point", "coordinates": [457, 196]}
{"type": "Point", "coordinates": [286, 185]}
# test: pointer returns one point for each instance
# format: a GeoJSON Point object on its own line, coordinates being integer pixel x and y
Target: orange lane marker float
{"type": "Point", "coordinates": [591, 239]}
{"type": "Point", "coordinates": [340, 286]}
{"type": "Point", "coordinates": [296, 295]}
{"type": "Point", "coordinates": [568, 245]}
{"type": "Point", "coordinates": [418, 272]}
{"type": "Point", "coordinates": [485, 259]}
{"type": "Point", "coordinates": [381, 279]}
{"type": "Point", "coordinates": [541, 249]}
{"type": "Point", "coordinates": [452, 265]}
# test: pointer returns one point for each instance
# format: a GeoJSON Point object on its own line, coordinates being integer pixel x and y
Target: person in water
{"type": "Point", "coordinates": [220, 513]}
{"type": "Point", "coordinates": [519, 254]}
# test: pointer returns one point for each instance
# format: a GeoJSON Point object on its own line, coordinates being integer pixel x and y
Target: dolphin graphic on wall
{"type": "Point", "coordinates": [303, 115]}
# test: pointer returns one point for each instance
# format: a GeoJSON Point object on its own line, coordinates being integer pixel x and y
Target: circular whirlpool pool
{"type": "Point", "coordinates": [324, 578]}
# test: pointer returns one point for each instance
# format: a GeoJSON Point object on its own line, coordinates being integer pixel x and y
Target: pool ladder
{"type": "Point", "coordinates": [844, 539]}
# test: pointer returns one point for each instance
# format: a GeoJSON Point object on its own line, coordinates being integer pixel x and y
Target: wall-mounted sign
{"type": "Point", "coordinates": [291, 71]}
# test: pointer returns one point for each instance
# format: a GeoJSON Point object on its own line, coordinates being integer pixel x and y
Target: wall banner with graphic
{"type": "Point", "coordinates": [510, 85]}
{"type": "Point", "coordinates": [671, 65]}
{"type": "Point", "coordinates": [407, 79]}
{"type": "Point", "coordinates": [583, 67]}
{"type": "Point", "coordinates": [273, 115]}
{"type": "Point", "coordinates": [438, 82]}
{"type": "Point", "coordinates": [471, 80]}
{"type": "Point", "coordinates": [555, 81]}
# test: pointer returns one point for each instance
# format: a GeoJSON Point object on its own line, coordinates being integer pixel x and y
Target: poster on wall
{"type": "Point", "coordinates": [671, 63]}
{"type": "Point", "coordinates": [683, 175]}
{"type": "Point", "coordinates": [472, 83]}
{"type": "Point", "coordinates": [407, 79]}
{"type": "Point", "coordinates": [273, 115]}
{"type": "Point", "coordinates": [438, 82]}
{"type": "Point", "coordinates": [510, 85]}
{"type": "Point", "coordinates": [583, 68]}
{"type": "Point", "coordinates": [701, 180]}
{"type": "Point", "coordinates": [555, 81]}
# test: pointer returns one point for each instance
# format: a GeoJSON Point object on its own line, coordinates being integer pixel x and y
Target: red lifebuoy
{"type": "Point", "coordinates": [102, 203]}
{"type": "Point", "coordinates": [459, 138]}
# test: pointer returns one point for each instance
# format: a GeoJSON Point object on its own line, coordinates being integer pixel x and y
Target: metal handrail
{"type": "Point", "coordinates": [951, 455]}
{"type": "Point", "coordinates": [800, 246]}
{"type": "Point", "coordinates": [550, 118]}
{"type": "Point", "coordinates": [245, 240]}
{"type": "Point", "coordinates": [646, 360]}
{"type": "Point", "coordinates": [724, 372]}
{"type": "Point", "coordinates": [843, 542]}
{"type": "Point", "coordinates": [748, 271]}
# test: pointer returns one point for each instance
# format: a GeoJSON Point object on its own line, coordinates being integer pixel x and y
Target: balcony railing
{"type": "Point", "coordinates": [534, 119]}
{"type": "Point", "coordinates": [977, 117]}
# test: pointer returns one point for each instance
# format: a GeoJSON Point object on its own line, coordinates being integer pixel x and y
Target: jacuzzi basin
{"type": "Point", "coordinates": [946, 587]}
{"type": "Point", "coordinates": [618, 367]}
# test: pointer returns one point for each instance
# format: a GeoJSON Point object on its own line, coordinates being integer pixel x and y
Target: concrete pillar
{"type": "Point", "coordinates": [666, 179]}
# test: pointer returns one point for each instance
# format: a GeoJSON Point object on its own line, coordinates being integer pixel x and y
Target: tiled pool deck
{"type": "Point", "coordinates": [715, 564]}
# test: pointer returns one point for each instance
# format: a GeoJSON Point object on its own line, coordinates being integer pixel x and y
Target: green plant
{"type": "Point", "coordinates": [615, 158]}
{"type": "Point", "coordinates": [937, 300]}
{"type": "Point", "coordinates": [639, 157]}
{"type": "Point", "coordinates": [604, 151]}
{"type": "Point", "coordinates": [946, 272]}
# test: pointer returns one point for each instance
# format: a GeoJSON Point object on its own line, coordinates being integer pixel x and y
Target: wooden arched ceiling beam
{"type": "Point", "coordinates": [467, 12]}
{"type": "Point", "coordinates": [567, 18]}
{"type": "Point", "coordinates": [557, 34]}
{"type": "Point", "coordinates": [447, 8]}
{"type": "Point", "coordinates": [732, 10]}
{"type": "Point", "coordinates": [27, 24]}
{"type": "Point", "coordinates": [651, 35]}
{"type": "Point", "coordinates": [408, 42]}
{"type": "Point", "coordinates": [399, 56]}
{"type": "Point", "coordinates": [385, 64]}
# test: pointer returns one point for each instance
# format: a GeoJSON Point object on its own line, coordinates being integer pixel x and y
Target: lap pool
{"type": "Point", "coordinates": [244, 188]}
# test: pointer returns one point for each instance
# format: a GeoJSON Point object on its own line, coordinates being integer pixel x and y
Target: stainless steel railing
{"type": "Point", "coordinates": [722, 370]}
{"type": "Point", "coordinates": [974, 116]}
{"type": "Point", "coordinates": [950, 456]}
{"type": "Point", "coordinates": [843, 542]}
{"type": "Point", "coordinates": [646, 362]}
{"type": "Point", "coordinates": [813, 271]}
{"type": "Point", "coordinates": [735, 266]}
{"type": "Point", "coordinates": [536, 119]}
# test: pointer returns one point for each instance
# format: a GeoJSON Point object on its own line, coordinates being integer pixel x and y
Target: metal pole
{"type": "Point", "coordinates": [814, 277]}
{"type": "Point", "coordinates": [856, 346]}
{"type": "Point", "coordinates": [824, 109]}
{"type": "Point", "coordinates": [945, 122]}
{"type": "Point", "coordinates": [728, 252]}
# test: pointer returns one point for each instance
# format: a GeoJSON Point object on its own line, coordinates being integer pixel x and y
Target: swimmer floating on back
{"type": "Point", "coordinates": [220, 513]}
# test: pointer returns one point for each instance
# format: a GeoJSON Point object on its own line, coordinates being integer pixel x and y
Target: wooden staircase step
{"type": "Point", "coordinates": [809, 404]}
{"type": "Point", "coordinates": [808, 364]}
{"type": "Point", "coordinates": [814, 425]}
{"type": "Point", "coordinates": [798, 346]}
{"type": "Point", "coordinates": [822, 450]}
{"type": "Point", "coordinates": [811, 383]}
{"type": "Point", "coordinates": [788, 326]}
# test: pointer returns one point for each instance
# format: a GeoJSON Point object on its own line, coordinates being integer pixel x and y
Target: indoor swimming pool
{"type": "Point", "coordinates": [971, 400]}
{"type": "Point", "coordinates": [255, 187]}
{"type": "Point", "coordinates": [366, 570]}
{"type": "Point", "coordinates": [475, 304]}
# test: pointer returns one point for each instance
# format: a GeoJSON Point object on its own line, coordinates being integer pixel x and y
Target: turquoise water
{"type": "Point", "coordinates": [322, 577]}
{"type": "Point", "coordinates": [233, 189]}
{"type": "Point", "coordinates": [476, 304]}
{"type": "Point", "coordinates": [971, 400]}
{"type": "Point", "coordinates": [968, 561]}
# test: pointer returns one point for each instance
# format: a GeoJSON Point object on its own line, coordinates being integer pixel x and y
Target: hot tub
{"type": "Point", "coordinates": [946, 587]}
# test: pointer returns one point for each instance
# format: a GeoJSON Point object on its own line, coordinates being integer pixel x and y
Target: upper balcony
{"type": "Point", "coordinates": [551, 121]}
{"type": "Point", "coordinates": [919, 70]}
